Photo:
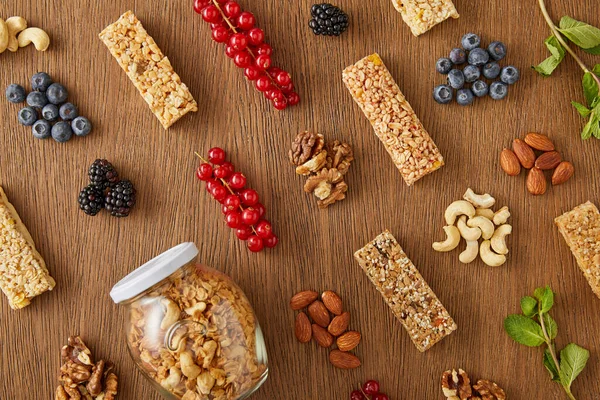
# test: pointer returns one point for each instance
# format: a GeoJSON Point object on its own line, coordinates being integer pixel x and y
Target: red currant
{"type": "Point", "coordinates": [211, 14]}
{"type": "Point", "coordinates": [249, 197]}
{"type": "Point", "coordinates": [232, 202]}
{"type": "Point", "coordinates": [252, 73]}
{"type": "Point", "coordinates": [271, 241]}
{"type": "Point", "coordinates": [237, 181]}
{"type": "Point", "coordinates": [225, 209]}
{"type": "Point", "coordinates": [216, 155]}
{"type": "Point", "coordinates": [293, 98]}
{"type": "Point", "coordinates": [232, 9]}
{"type": "Point", "coordinates": [263, 83]}
{"type": "Point", "coordinates": [255, 244]}
{"type": "Point", "coordinates": [220, 34]}
{"type": "Point", "coordinates": [233, 219]}
{"type": "Point", "coordinates": [283, 78]}
{"type": "Point", "coordinates": [221, 1]}
{"type": "Point", "coordinates": [263, 61]}
{"type": "Point", "coordinates": [238, 41]}
{"type": "Point", "coordinates": [246, 21]}
{"type": "Point", "coordinates": [219, 193]}
{"type": "Point", "coordinates": [260, 208]}
{"type": "Point", "coordinates": [371, 387]}
{"type": "Point", "coordinates": [287, 88]}
{"type": "Point", "coordinates": [280, 104]}
{"type": "Point", "coordinates": [243, 59]}
{"type": "Point", "coordinates": [263, 229]}
{"type": "Point", "coordinates": [273, 93]}
{"type": "Point", "coordinates": [357, 395]}
{"type": "Point", "coordinates": [200, 4]}
{"type": "Point", "coordinates": [230, 51]}
{"type": "Point", "coordinates": [250, 216]}
{"type": "Point", "coordinates": [265, 49]}
{"type": "Point", "coordinates": [224, 171]}
{"type": "Point", "coordinates": [256, 36]}
{"type": "Point", "coordinates": [204, 172]}
{"type": "Point", "coordinates": [243, 232]}
{"type": "Point", "coordinates": [273, 71]}
{"type": "Point", "coordinates": [380, 396]}
{"type": "Point", "coordinates": [211, 184]}
{"type": "Point", "coordinates": [220, 23]}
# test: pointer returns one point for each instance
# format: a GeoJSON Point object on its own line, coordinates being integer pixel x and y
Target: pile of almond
{"type": "Point", "coordinates": [329, 324]}
{"type": "Point", "coordinates": [537, 154]}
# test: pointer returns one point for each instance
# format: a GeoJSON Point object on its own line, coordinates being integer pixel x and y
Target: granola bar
{"type": "Point", "coordinates": [395, 123]}
{"type": "Point", "coordinates": [149, 70]}
{"type": "Point", "coordinates": [405, 291]}
{"type": "Point", "coordinates": [422, 15]}
{"type": "Point", "coordinates": [23, 273]}
{"type": "Point", "coordinates": [581, 230]}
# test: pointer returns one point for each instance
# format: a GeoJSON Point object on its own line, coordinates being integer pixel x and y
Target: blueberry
{"type": "Point", "coordinates": [478, 57]}
{"type": "Point", "coordinates": [57, 94]}
{"type": "Point", "coordinates": [41, 129]}
{"type": "Point", "coordinates": [81, 126]}
{"type": "Point", "coordinates": [498, 90]}
{"type": "Point", "coordinates": [497, 50]}
{"type": "Point", "coordinates": [442, 94]}
{"type": "Point", "coordinates": [443, 65]}
{"type": "Point", "coordinates": [470, 41]}
{"type": "Point", "coordinates": [68, 112]}
{"type": "Point", "coordinates": [458, 56]}
{"type": "Point", "coordinates": [41, 81]}
{"type": "Point", "coordinates": [479, 88]}
{"type": "Point", "coordinates": [509, 75]}
{"type": "Point", "coordinates": [472, 73]}
{"type": "Point", "coordinates": [15, 93]}
{"type": "Point", "coordinates": [61, 132]}
{"type": "Point", "coordinates": [37, 99]}
{"type": "Point", "coordinates": [491, 70]}
{"type": "Point", "coordinates": [27, 116]}
{"type": "Point", "coordinates": [50, 112]}
{"type": "Point", "coordinates": [464, 97]}
{"type": "Point", "coordinates": [456, 79]}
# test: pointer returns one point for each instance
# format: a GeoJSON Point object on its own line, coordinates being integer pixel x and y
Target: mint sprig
{"type": "Point", "coordinates": [587, 38]}
{"type": "Point", "coordinates": [535, 327]}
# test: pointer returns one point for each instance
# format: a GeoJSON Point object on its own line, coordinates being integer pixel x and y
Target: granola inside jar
{"type": "Point", "coordinates": [191, 330]}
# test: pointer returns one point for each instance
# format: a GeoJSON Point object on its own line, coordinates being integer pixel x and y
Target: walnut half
{"type": "Point", "coordinates": [339, 156]}
{"type": "Point", "coordinates": [456, 385]}
{"type": "Point", "coordinates": [322, 183]}
{"type": "Point", "coordinates": [305, 147]}
{"type": "Point", "coordinates": [488, 390]}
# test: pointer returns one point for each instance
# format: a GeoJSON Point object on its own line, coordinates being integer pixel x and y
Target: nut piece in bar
{"type": "Point", "coordinates": [395, 123]}
{"type": "Point", "coordinates": [149, 70]}
{"type": "Point", "coordinates": [405, 291]}
{"type": "Point", "coordinates": [422, 15]}
{"type": "Point", "coordinates": [23, 273]}
{"type": "Point", "coordinates": [581, 230]}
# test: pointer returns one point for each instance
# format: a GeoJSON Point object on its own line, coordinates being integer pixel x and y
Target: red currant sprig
{"type": "Point", "coordinates": [369, 390]}
{"type": "Point", "coordinates": [241, 207]}
{"type": "Point", "coordinates": [244, 43]}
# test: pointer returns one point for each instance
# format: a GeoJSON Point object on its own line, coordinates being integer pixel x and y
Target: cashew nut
{"type": "Point", "coordinates": [171, 314]}
{"type": "Point", "coordinates": [501, 216]}
{"type": "Point", "coordinates": [3, 35]}
{"type": "Point", "coordinates": [172, 380]}
{"type": "Point", "coordinates": [37, 36]}
{"type": "Point", "coordinates": [466, 232]}
{"type": "Point", "coordinates": [484, 212]}
{"type": "Point", "coordinates": [486, 226]}
{"type": "Point", "coordinates": [452, 240]}
{"type": "Point", "coordinates": [489, 257]}
{"type": "Point", "coordinates": [499, 239]}
{"type": "Point", "coordinates": [198, 307]}
{"type": "Point", "coordinates": [459, 207]}
{"type": "Point", "coordinates": [15, 25]}
{"type": "Point", "coordinates": [479, 200]}
{"type": "Point", "coordinates": [188, 366]}
{"type": "Point", "coordinates": [470, 252]}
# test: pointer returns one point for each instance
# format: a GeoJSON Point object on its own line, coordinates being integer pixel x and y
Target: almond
{"type": "Point", "coordinates": [322, 337]}
{"type": "Point", "coordinates": [348, 341]}
{"type": "Point", "coordinates": [343, 360]}
{"type": "Point", "coordinates": [332, 301]}
{"type": "Point", "coordinates": [539, 141]}
{"type": "Point", "coordinates": [339, 324]}
{"type": "Point", "coordinates": [303, 299]}
{"type": "Point", "coordinates": [319, 313]}
{"type": "Point", "coordinates": [563, 172]}
{"type": "Point", "coordinates": [302, 328]}
{"type": "Point", "coordinates": [536, 181]}
{"type": "Point", "coordinates": [524, 153]}
{"type": "Point", "coordinates": [549, 160]}
{"type": "Point", "coordinates": [509, 162]}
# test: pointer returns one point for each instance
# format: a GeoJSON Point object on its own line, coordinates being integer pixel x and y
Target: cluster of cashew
{"type": "Point", "coordinates": [14, 33]}
{"type": "Point", "coordinates": [472, 219]}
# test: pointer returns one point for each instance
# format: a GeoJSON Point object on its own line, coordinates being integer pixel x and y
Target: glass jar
{"type": "Point", "coordinates": [191, 330]}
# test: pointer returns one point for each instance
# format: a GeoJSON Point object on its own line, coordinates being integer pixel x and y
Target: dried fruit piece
{"type": "Point", "coordinates": [302, 328]}
{"type": "Point", "coordinates": [539, 141]}
{"type": "Point", "coordinates": [332, 301]}
{"type": "Point", "coordinates": [322, 337]}
{"type": "Point", "coordinates": [303, 299]}
{"type": "Point", "coordinates": [319, 314]}
{"type": "Point", "coordinates": [524, 153]}
{"type": "Point", "coordinates": [548, 160]}
{"type": "Point", "coordinates": [536, 181]}
{"type": "Point", "coordinates": [343, 360]}
{"type": "Point", "coordinates": [563, 172]}
{"type": "Point", "coordinates": [510, 163]}
{"type": "Point", "coordinates": [348, 341]}
{"type": "Point", "coordinates": [339, 324]}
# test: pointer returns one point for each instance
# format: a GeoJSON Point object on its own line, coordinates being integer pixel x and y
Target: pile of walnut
{"type": "Point", "coordinates": [81, 377]}
{"type": "Point", "coordinates": [325, 166]}
{"type": "Point", "coordinates": [475, 219]}
{"type": "Point", "coordinates": [457, 386]}
{"type": "Point", "coordinates": [14, 33]}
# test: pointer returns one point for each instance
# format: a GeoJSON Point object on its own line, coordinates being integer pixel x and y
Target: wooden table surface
{"type": "Point", "coordinates": [88, 255]}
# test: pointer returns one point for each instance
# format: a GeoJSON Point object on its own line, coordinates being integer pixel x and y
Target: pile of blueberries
{"type": "Point", "coordinates": [480, 63]}
{"type": "Point", "coordinates": [48, 112]}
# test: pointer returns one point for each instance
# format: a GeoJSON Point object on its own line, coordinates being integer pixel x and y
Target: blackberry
{"type": "Point", "coordinates": [91, 200]}
{"type": "Point", "coordinates": [102, 174]}
{"type": "Point", "coordinates": [120, 199]}
{"type": "Point", "coordinates": [327, 20]}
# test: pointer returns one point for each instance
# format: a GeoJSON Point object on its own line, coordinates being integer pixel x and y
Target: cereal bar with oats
{"type": "Point", "coordinates": [23, 273]}
{"type": "Point", "coordinates": [422, 15]}
{"type": "Point", "coordinates": [581, 230]}
{"type": "Point", "coordinates": [405, 291]}
{"type": "Point", "coordinates": [395, 123]}
{"type": "Point", "coordinates": [149, 70]}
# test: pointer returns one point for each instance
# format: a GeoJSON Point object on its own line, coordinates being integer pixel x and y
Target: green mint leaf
{"type": "Point", "coordinates": [593, 50]}
{"type": "Point", "coordinates": [545, 296]}
{"type": "Point", "coordinates": [581, 109]}
{"type": "Point", "coordinates": [572, 361]}
{"type": "Point", "coordinates": [551, 326]}
{"type": "Point", "coordinates": [596, 69]}
{"type": "Point", "coordinates": [590, 87]}
{"type": "Point", "coordinates": [551, 366]}
{"type": "Point", "coordinates": [554, 46]}
{"type": "Point", "coordinates": [596, 128]}
{"type": "Point", "coordinates": [548, 66]}
{"type": "Point", "coordinates": [583, 35]}
{"type": "Point", "coordinates": [529, 306]}
{"type": "Point", "coordinates": [524, 330]}
{"type": "Point", "coordinates": [592, 128]}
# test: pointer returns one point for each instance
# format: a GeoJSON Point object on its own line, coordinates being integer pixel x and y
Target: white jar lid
{"type": "Point", "coordinates": [153, 271]}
